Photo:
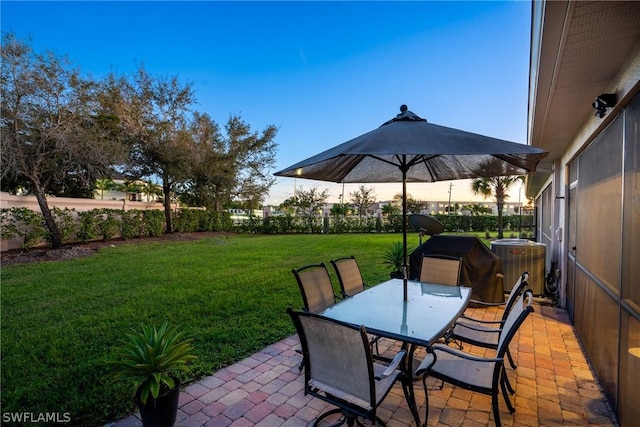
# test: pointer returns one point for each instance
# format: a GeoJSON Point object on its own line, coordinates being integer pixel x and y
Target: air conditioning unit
{"type": "Point", "coordinates": [518, 256]}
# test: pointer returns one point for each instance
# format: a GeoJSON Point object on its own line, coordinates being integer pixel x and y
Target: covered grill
{"type": "Point", "coordinates": [481, 268]}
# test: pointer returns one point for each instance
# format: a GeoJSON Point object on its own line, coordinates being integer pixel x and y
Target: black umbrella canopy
{"type": "Point", "coordinates": [409, 149]}
{"type": "Point", "coordinates": [425, 151]}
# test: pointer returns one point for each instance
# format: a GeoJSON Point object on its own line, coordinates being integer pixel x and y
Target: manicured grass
{"type": "Point", "coordinates": [61, 320]}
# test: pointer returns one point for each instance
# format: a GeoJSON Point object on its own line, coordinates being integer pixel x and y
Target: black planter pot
{"type": "Point", "coordinates": [160, 412]}
{"type": "Point", "coordinates": [395, 275]}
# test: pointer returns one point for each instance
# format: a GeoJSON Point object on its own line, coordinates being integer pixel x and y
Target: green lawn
{"type": "Point", "coordinates": [60, 320]}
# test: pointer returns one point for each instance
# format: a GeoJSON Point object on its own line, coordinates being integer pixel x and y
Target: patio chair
{"type": "Point", "coordinates": [478, 374]}
{"type": "Point", "coordinates": [349, 276]}
{"type": "Point", "coordinates": [315, 287]}
{"type": "Point", "coordinates": [441, 269]}
{"type": "Point", "coordinates": [340, 369]}
{"type": "Point", "coordinates": [486, 333]}
{"type": "Point", "coordinates": [351, 283]}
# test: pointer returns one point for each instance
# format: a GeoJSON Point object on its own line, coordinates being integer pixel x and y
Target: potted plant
{"type": "Point", "coordinates": [394, 257]}
{"type": "Point", "coordinates": [150, 360]}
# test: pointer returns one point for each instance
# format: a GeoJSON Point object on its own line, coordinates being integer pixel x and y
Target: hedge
{"type": "Point", "coordinates": [107, 224]}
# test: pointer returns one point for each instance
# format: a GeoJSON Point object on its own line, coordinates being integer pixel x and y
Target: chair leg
{"type": "Point", "coordinates": [496, 408]}
{"type": "Point", "coordinates": [447, 338]}
{"type": "Point", "coordinates": [426, 398]}
{"type": "Point", "coordinates": [506, 380]}
{"type": "Point", "coordinates": [513, 365]}
{"type": "Point", "coordinates": [301, 365]}
{"type": "Point", "coordinates": [342, 420]}
{"type": "Point", "coordinates": [506, 397]}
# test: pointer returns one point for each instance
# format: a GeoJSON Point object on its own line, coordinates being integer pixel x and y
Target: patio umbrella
{"type": "Point", "coordinates": [409, 149]}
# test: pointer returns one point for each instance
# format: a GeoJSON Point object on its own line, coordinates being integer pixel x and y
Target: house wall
{"type": "Point", "coordinates": [80, 205]}
{"type": "Point", "coordinates": [595, 211]}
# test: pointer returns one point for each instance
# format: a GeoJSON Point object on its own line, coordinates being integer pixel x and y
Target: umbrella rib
{"type": "Point", "coordinates": [426, 166]}
{"type": "Point", "coordinates": [385, 160]}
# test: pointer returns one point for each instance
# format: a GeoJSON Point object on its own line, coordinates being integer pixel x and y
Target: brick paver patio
{"type": "Point", "coordinates": [554, 387]}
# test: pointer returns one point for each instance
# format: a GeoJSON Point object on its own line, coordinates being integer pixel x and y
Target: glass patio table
{"type": "Point", "coordinates": [428, 313]}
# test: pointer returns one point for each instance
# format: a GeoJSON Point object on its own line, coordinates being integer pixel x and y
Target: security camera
{"type": "Point", "coordinates": [604, 101]}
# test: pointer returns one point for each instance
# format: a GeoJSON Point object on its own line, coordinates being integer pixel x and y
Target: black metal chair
{"type": "Point", "coordinates": [478, 374]}
{"type": "Point", "coordinates": [486, 333]}
{"type": "Point", "coordinates": [441, 269]}
{"type": "Point", "coordinates": [339, 368]}
{"type": "Point", "coordinates": [349, 276]}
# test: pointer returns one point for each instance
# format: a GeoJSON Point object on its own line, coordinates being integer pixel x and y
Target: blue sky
{"type": "Point", "coordinates": [322, 72]}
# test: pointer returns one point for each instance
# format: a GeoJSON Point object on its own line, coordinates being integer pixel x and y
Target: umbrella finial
{"type": "Point", "coordinates": [404, 115]}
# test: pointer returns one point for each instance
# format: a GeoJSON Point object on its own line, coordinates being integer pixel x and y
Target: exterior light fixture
{"type": "Point", "coordinates": [604, 101]}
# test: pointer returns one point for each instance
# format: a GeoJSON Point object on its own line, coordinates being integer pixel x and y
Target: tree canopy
{"type": "Point", "coordinates": [66, 134]}
{"type": "Point", "coordinates": [498, 187]}
{"type": "Point", "coordinates": [56, 138]}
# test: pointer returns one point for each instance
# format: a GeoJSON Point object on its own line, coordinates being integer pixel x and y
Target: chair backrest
{"type": "Point", "coordinates": [349, 275]}
{"type": "Point", "coordinates": [441, 269]}
{"type": "Point", "coordinates": [337, 358]}
{"type": "Point", "coordinates": [516, 291]}
{"type": "Point", "coordinates": [315, 286]}
{"type": "Point", "coordinates": [518, 313]}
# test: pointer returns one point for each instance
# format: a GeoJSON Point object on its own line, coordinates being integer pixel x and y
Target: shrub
{"type": "Point", "coordinates": [187, 220]}
{"type": "Point", "coordinates": [65, 222]}
{"type": "Point", "coordinates": [8, 229]}
{"type": "Point", "coordinates": [131, 224]}
{"type": "Point", "coordinates": [153, 222]}
{"type": "Point", "coordinates": [87, 227]}
{"type": "Point", "coordinates": [25, 223]}
{"type": "Point", "coordinates": [108, 223]}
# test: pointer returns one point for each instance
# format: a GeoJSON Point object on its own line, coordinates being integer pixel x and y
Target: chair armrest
{"type": "Point", "coordinates": [488, 322]}
{"type": "Point", "coordinates": [393, 365]}
{"type": "Point", "coordinates": [478, 328]}
{"type": "Point", "coordinates": [486, 304]}
{"type": "Point", "coordinates": [428, 361]}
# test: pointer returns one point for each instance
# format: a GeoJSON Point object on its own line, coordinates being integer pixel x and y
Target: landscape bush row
{"type": "Point", "coordinates": [107, 224]}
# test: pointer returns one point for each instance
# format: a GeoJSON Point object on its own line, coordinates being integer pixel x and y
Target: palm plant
{"type": "Point", "coordinates": [150, 359]}
{"type": "Point", "coordinates": [497, 187]}
{"type": "Point", "coordinates": [394, 257]}
{"type": "Point", "coordinates": [104, 184]}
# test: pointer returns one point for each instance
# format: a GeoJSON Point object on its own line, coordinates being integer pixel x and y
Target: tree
{"type": "Point", "coordinates": [390, 210]}
{"type": "Point", "coordinates": [413, 205]}
{"type": "Point", "coordinates": [56, 136]}
{"type": "Point", "coordinates": [476, 209]}
{"type": "Point", "coordinates": [153, 111]}
{"type": "Point", "coordinates": [452, 208]}
{"type": "Point", "coordinates": [149, 189]}
{"type": "Point", "coordinates": [339, 209]}
{"type": "Point", "coordinates": [309, 203]}
{"type": "Point", "coordinates": [234, 167]}
{"type": "Point", "coordinates": [362, 199]}
{"type": "Point", "coordinates": [253, 157]}
{"type": "Point", "coordinates": [497, 187]}
{"type": "Point", "coordinates": [129, 186]}
{"type": "Point", "coordinates": [104, 184]}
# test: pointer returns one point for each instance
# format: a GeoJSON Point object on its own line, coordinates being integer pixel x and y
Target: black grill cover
{"type": "Point", "coordinates": [480, 266]}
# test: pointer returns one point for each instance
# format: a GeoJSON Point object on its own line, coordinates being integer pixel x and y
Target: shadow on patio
{"type": "Point", "coordinates": [554, 387]}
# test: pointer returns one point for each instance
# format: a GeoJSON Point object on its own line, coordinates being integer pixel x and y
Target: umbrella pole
{"type": "Point", "coordinates": [404, 231]}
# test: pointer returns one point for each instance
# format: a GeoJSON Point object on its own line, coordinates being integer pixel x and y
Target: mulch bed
{"type": "Point", "coordinates": [20, 256]}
